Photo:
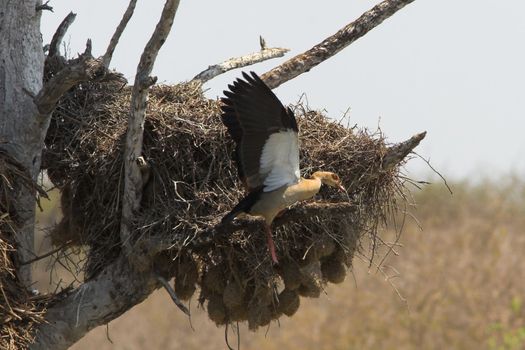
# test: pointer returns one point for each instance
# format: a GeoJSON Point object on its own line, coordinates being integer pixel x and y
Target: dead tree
{"type": "Point", "coordinates": [30, 88]}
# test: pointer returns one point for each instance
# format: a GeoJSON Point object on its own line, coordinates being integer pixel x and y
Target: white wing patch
{"type": "Point", "coordinates": [279, 164]}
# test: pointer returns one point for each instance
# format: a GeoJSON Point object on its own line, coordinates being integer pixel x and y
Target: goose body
{"type": "Point", "coordinates": [267, 153]}
{"type": "Point", "coordinates": [270, 204]}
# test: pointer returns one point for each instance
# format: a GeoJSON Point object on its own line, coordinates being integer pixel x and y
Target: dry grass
{"type": "Point", "coordinates": [463, 279]}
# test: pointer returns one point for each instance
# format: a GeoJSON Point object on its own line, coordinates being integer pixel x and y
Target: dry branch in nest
{"type": "Point", "coordinates": [20, 311]}
{"type": "Point", "coordinates": [192, 183]}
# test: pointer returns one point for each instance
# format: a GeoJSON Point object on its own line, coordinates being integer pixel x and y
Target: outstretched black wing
{"type": "Point", "coordinates": [265, 133]}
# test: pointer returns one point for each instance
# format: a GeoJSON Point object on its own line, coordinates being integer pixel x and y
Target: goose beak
{"type": "Point", "coordinates": [341, 188]}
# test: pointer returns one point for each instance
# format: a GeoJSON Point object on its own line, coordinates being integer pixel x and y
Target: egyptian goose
{"type": "Point", "coordinates": [267, 153]}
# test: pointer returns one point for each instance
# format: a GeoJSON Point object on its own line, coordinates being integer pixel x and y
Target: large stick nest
{"type": "Point", "coordinates": [193, 183]}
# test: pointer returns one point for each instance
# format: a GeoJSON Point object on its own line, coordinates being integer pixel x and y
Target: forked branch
{"type": "Point", "coordinates": [44, 7]}
{"type": "Point", "coordinates": [83, 69]}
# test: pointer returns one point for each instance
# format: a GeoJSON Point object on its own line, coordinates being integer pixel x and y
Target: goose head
{"type": "Point", "coordinates": [329, 178]}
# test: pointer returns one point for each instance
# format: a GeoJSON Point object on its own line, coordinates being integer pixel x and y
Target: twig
{"type": "Point", "coordinates": [330, 46]}
{"type": "Point", "coordinates": [437, 172]}
{"type": "Point", "coordinates": [133, 181]}
{"type": "Point", "coordinates": [75, 71]}
{"type": "Point", "coordinates": [204, 238]}
{"type": "Point", "coordinates": [87, 125]}
{"type": "Point", "coordinates": [81, 290]}
{"type": "Point", "coordinates": [238, 62]}
{"type": "Point", "coordinates": [172, 294]}
{"type": "Point", "coordinates": [107, 334]}
{"type": "Point", "coordinates": [40, 257]}
{"type": "Point", "coordinates": [106, 59]}
{"type": "Point", "coordinates": [87, 50]}
{"type": "Point", "coordinates": [44, 6]}
{"type": "Point", "coordinates": [54, 47]}
{"type": "Point", "coordinates": [262, 43]}
{"type": "Point", "coordinates": [209, 236]}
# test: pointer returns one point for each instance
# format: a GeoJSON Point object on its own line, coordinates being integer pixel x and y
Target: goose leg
{"type": "Point", "coordinates": [271, 245]}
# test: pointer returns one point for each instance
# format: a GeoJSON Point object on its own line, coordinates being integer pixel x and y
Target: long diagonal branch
{"type": "Point", "coordinates": [330, 46]}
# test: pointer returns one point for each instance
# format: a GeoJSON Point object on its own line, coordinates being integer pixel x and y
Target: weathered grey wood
{"type": "Point", "coordinates": [239, 62]}
{"type": "Point", "coordinates": [96, 302]}
{"type": "Point", "coordinates": [398, 152]}
{"type": "Point", "coordinates": [330, 46]}
{"type": "Point", "coordinates": [133, 181]}
{"type": "Point", "coordinates": [56, 40]}
{"type": "Point", "coordinates": [106, 59]}
{"type": "Point", "coordinates": [44, 7]}
{"type": "Point", "coordinates": [21, 132]}
{"type": "Point", "coordinates": [86, 68]}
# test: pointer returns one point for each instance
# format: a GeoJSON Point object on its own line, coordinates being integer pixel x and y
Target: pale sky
{"type": "Point", "coordinates": [455, 68]}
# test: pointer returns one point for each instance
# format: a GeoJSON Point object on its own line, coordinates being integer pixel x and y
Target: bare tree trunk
{"type": "Point", "coordinates": [21, 130]}
{"type": "Point", "coordinates": [94, 303]}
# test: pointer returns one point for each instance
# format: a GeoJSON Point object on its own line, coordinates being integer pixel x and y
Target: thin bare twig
{"type": "Point", "coordinates": [239, 62]}
{"type": "Point", "coordinates": [209, 236]}
{"type": "Point", "coordinates": [330, 46]}
{"type": "Point", "coordinates": [437, 172]}
{"type": "Point", "coordinates": [172, 294]}
{"type": "Point", "coordinates": [44, 6]}
{"type": "Point", "coordinates": [133, 181]}
{"type": "Point", "coordinates": [106, 59]}
{"type": "Point", "coordinates": [40, 257]}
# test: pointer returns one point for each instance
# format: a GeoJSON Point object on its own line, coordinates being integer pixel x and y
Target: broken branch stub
{"type": "Point", "coordinates": [84, 69]}
{"type": "Point", "coordinates": [398, 152]}
{"type": "Point", "coordinates": [238, 62]}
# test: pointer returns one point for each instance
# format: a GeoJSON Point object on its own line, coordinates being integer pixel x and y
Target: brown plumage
{"type": "Point", "coordinates": [267, 153]}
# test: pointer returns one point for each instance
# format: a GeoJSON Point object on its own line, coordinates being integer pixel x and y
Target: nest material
{"type": "Point", "coordinates": [193, 183]}
{"type": "Point", "coordinates": [20, 311]}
